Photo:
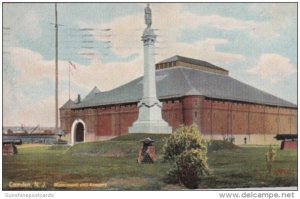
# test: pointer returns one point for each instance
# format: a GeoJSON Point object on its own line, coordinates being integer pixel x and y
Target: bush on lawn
{"type": "Point", "coordinates": [183, 139]}
{"type": "Point", "coordinates": [191, 166]}
{"type": "Point", "coordinates": [216, 145]}
{"type": "Point", "coordinates": [187, 152]}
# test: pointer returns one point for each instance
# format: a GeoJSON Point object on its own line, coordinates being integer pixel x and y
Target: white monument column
{"type": "Point", "coordinates": [150, 117]}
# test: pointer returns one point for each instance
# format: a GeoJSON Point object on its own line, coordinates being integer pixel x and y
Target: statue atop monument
{"type": "Point", "coordinates": [148, 16]}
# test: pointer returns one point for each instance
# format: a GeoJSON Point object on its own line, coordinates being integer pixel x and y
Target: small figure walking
{"type": "Point", "coordinates": [245, 140]}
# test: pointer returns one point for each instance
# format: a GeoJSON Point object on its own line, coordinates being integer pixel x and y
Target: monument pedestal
{"type": "Point", "coordinates": [150, 119]}
{"type": "Point", "coordinates": [153, 127]}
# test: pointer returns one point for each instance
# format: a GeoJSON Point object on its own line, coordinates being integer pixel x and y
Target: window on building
{"type": "Point", "coordinates": [196, 114]}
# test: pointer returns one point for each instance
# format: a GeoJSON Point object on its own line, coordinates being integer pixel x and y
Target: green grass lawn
{"type": "Point", "coordinates": [113, 163]}
{"type": "Point", "coordinates": [246, 167]}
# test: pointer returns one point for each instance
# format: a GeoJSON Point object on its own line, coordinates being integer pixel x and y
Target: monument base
{"type": "Point", "coordinates": [153, 127]}
{"type": "Point", "coordinates": [150, 119]}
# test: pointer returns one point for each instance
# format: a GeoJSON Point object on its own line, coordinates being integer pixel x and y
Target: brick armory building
{"type": "Point", "coordinates": [192, 91]}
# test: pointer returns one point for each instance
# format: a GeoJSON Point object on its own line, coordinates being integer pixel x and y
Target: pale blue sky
{"type": "Point", "coordinates": [256, 42]}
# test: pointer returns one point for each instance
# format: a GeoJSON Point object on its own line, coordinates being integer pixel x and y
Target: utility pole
{"type": "Point", "coordinates": [56, 71]}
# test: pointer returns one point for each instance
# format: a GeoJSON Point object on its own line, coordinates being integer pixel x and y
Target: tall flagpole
{"type": "Point", "coordinates": [56, 71]}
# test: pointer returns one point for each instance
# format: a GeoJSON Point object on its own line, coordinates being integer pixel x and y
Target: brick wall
{"type": "Point", "coordinates": [214, 117]}
{"type": "Point", "coordinates": [221, 117]}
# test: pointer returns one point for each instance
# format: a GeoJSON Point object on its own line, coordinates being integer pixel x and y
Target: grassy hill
{"type": "Point", "coordinates": [123, 146]}
{"type": "Point", "coordinates": [112, 165]}
{"type": "Point", "coordinates": [128, 145]}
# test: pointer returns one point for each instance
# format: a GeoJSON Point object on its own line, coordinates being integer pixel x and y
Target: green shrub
{"type": "Point", "coordinates": [184, 138]}
{"type": "Point", "coordinates": [191, 166]}
{"type": "Point", "coordinates": [172, 175]}
{"type": "Point", "coordinates": [216, 145]}
{"type": "Point", "coordinates": [270, 157]}
{"type": "Point", "coordinates": [187, 151]}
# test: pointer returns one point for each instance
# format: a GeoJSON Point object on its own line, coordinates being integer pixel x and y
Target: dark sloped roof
{"type": "Point", "coordinates": [191, 61]}
{"type": "Point", "coordinates": [180, 81]}
{"type": "Point", "coordinates": [69, 104]}
{"type": "Point", "coordinates": [91, 94]}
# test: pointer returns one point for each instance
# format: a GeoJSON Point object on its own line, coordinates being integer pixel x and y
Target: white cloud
{"type": "Point", "coordinates": [30, 64]}
{"type": "Point", "coordinates": [107, 76]}
{"type": "Point", "coordinates": [279, 13]}
{"type": "Point", "coordinates": [273, 67]}
{"type": "Point", "coordinates": [22, 19]}
{"type": "Point", "coordinates": [279, 16]}
{"type": "Point", "coordinates": [31, 114]}
{"type": "Point", "coordinates": [204, 50]}
{"type": "Point", "coordinates": [125, 35]}
{"type": "Point", "coordinates": [31, 24]}
{"type": "Point", "coordinates": [217, 21]}
{"type": "Point", "coordinates": [127, 32]}
{"type": "Point", "coordinates": [34, 70]}
{"type": "Point", "coordinates": [265, 29]}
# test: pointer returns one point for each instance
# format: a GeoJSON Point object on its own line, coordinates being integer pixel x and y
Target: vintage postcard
{"type": "Point", "coordinates": [149, 97]}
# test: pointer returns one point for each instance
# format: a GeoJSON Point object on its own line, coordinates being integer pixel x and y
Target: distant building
{"type": "Point", "coordinates": [192, 91]}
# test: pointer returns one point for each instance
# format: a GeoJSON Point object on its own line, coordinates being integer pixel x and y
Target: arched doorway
{"type": "Point", "coordinates": [78, 131]}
